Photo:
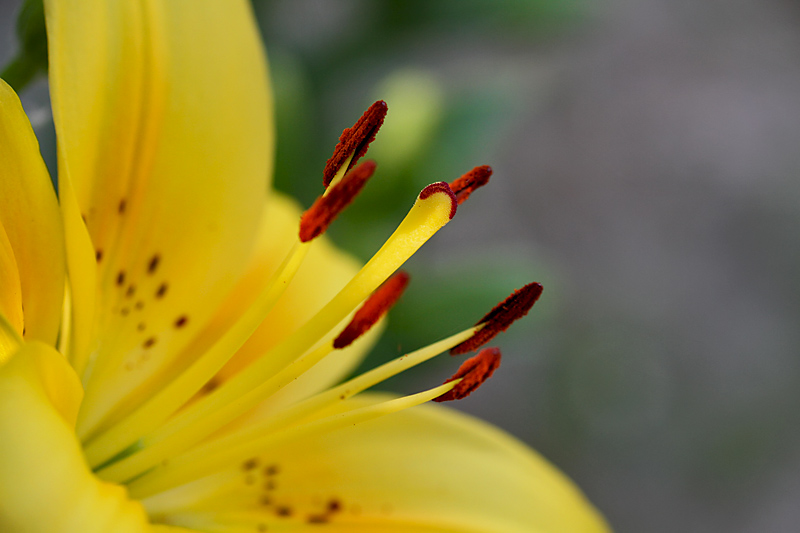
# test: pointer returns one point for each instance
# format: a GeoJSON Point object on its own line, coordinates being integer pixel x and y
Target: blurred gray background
{"type": "Point", "coordinates": [646, 172]}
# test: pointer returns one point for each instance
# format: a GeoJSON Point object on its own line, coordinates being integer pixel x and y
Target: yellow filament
{"type": "Point", "coordinates": [159, 407]}
{"type": "Point", "coordinates": [241, 393]}
{"type": "Point", "coordinates": [193, 496]}
{"type": "Point", "coordinates": [66, 321]}
{"type": "Point", "coordinates": [158, 447]}
{"type": "Point", "coordinates": [340, 173]}
{"type": "Point", "coordinates": [368, 379]}
{"type": "Point", "coordinates": [215, 455]}
{"type": "Point", "coordinates": [114, 440]}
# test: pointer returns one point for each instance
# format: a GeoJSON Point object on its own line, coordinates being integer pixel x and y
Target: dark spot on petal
{"type": "Point", "coordinates": [121, 278]}
{"type": "Point", "coordinates": [283, 510]}
{"type": "Point", "coordinates": [122, 205]}
{"type": "Point", "coordinates": [140, 326]}
{"type": "Point", "coordinates": [317, 519]}
{"type": "Point", "coordinates": [139, 304]}
{"type": "Point", "coordinates": [334, 505]}
{"type": "Point", "coordinates": [162, 290]}
{"type": "Point", "coordinates": [149, 342]}
{"type": "Point", "coordinates": [261, 528]}
{"type": "Point", "coordinates": [212, 384]}
{"type": "Point", "coordinates": [98, 255]}
{"type": "Point", "coordinates": [131, 290]}
{"type": "Point", "coordinates": [153, 264]}
{"type": "Point", "coordinates": [181, 321]}
{"type": "Point", "coordinates": [250, 464]}
{"type": "Point", "coordinates": [266, 501]}
{"type": "Point", "coordinates": [125, 311]}
{"type": "Point", "coordinates": [271, 470]}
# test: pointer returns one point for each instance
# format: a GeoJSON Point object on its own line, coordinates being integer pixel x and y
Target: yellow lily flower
{"type": "Point", "coordinates": [163, 368]}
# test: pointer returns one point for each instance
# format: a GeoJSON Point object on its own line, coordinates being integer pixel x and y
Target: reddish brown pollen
{"type": "Point", "coordinates": [326, 208]}
{"type": "Point", "coordinates": [501, 317]}
{"type": "Point", "coordinates": [355, 140]}
{"type": "Point", "coordinates": [473, 372]}
{"type": "Point", "coordinates": [443, 187]}
{"type": "Point", "coordinates": [469, 182]}
{"type": "Point", "coordinates": [377, 305]}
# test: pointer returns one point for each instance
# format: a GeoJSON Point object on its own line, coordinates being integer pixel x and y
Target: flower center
{"type": "Point", "coordinates": [191, 428]}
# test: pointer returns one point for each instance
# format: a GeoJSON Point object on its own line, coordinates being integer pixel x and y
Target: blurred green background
{"type": "Point", "coordinates": [646, 172]}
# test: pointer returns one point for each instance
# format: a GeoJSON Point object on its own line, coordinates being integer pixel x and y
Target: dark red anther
{"type": "Point", "coordinates": [469, 182]}
{"type": "Point", "coordinates": [326, 208]}
{"type": "Point", "coordinates": [442, 187]}
{"type": "Point", "coordinates": [355, 140]}
{"type": "Point", "coordinates": [473, 372]}
{"type": "Point", "coordinates": [373, 309]}
{"type": "Point", "coordinates": [503, 315]}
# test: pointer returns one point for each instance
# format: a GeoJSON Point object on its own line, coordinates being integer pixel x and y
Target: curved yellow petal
{"type": "Point", "coordinates": [424, 469]}
{"type": "Point", "coordinates": [164, 121]}
{"type": "Point", "coordinates": [45, 484]}
{"type": "Point", "coordinates": [10, 340]}
{"type": "Point", "coordinates": [10, 291]}
{"type": "Point", "coordinates": [30, 217]}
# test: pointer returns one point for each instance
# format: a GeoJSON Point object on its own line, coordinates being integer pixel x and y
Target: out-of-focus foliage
{"type": "Point", "coordinates": [330, 62]}
{"type": "Point", "coordinates": [31, 60]}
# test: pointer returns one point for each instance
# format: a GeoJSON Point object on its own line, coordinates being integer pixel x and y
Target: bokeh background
{"type": "Point", "coordinates": [646, 165]}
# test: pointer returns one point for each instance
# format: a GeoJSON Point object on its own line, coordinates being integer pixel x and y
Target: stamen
{"type": "Point", "coordinates": [234, 397]}
{"type": "Point", "coordinates": [160, 406]}
{"type": "Point", "coordinates": [472, 373]}
{"type": "Point", "coordinates": [327, 207]}
{"type": "Point", "coordinates": [469, 182]}
{"type": "Point", "coordinates": [373, 309]}
{"type": "Point", "coordinates": [221, 453]}
{"type": "Point", "coordinates": [270, 372]}
{"type": "Point", "coordinates": [354, 141]}
{"type": "Point", "coordinates": [501, 317]}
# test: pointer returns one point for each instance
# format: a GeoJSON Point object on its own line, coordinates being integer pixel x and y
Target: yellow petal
{"type": "Point", "coordinates": [30, 217]}
{"type": "Point", "coordinates": [10, 340]}
{"type": "Point", "coordinates": [10, 291]}
{"type": "Point", "coordinates": [165, 131]}
{"type": "Point", "coordinates": [44, 482]}
{"type": "Point", "coordinates": [423, 469]}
